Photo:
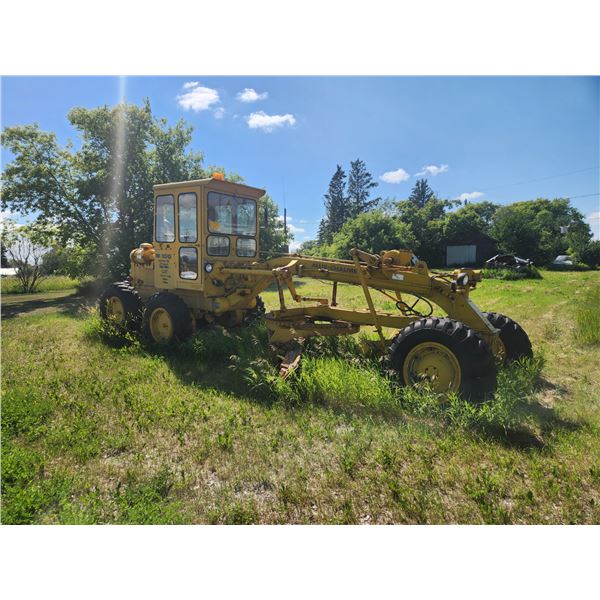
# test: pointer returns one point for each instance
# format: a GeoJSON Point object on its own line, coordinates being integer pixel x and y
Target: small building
{"type": "Point", "coordinates": [473, 249]}
{"type": "Point", "coordinates": [7, 271]}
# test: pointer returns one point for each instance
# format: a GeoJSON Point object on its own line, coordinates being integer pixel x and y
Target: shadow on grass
{"type": "Point", "coordinates": [539, 422]}
{"type": "Point", "coordinates": [48, 302]}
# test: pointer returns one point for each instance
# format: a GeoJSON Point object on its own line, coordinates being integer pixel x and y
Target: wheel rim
{"type": "Point", "coordinates": [161, 325]}
{"type": "Point", "coordinates": [433, 363]}
{"type": "Point", "coordinates": [115, 309]}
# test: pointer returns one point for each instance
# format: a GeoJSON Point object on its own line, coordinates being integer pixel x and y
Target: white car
{"type": "Point", "coordinates": [563, 260]}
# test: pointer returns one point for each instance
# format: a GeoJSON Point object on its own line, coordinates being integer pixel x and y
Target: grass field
{"type": "Point", "coordinates": [102, 430]}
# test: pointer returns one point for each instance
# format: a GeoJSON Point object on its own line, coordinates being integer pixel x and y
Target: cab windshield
{"type": "Point", "coordinates": [231, 215]}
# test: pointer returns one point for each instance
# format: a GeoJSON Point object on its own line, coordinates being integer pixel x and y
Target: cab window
{"type": "Point", "coordinates": [165, 219]}
{"type": "Point", "coordinates": [217, 245]}
{"type": "Point", "coordinates": [188, 219]}
{"type": "Point", "coordinates": [188, 263]}
{"type": "Point", "coordinates": [246, 247]}
{"type": "Point", "coordinates": [231, 215]}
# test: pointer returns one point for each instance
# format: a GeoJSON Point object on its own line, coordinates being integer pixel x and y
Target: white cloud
{"type": "Point", "coordinates": [250, 95]}
{"type": "Point", "coordinates": [198, 98]}
{"type": "Point", "coordinates": [397, 176]}
{"type": "Point", "coordinates": [292, 228]}
{"type": "Point", "coordinates": [594, 220]}
{"type": "Point", "coordinates": [219, 112]}
{"type": "Point", "coordinates": [268, 123]}
{"type": "Point", "coordinates": [432, 170]}
{"type": "Point", "coordinates": [295, 229]}
{"type": "Point", "coordinates": [470, 196]}
{"type": "Point", "coordinates": [294, 246]}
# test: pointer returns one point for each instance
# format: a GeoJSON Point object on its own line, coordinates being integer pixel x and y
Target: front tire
{"type": "Point", "coordinates": [516, 342]}
{"type": "Point", "coordinates": [167, 319]}
{"type": "Point", "coordinates": [448, 355]}
{"type": "Point", "coordinates": [121, 305]}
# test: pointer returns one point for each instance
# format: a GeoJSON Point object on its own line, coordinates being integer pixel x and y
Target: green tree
{"type": "Point", "coordinates": [540, 229]}
{"type": "Point", "coordinates": [273, 238]}
{"type": "Point", "coordinates": [515, 232]}
{"type": "Point", "coordinates": [469, 220]}
{"type": "Point", "coordinates": [372, 232]}
{"type": "Point", "coordinates": [98, 198]}
{"type": "Point", "coordinates": [24, 246]}
{"type": "Point", "coordinates": [421, 193]}
{"type": "Point", "coordinates": [591, 255]}
{"type": "Point", "coordinates": [3, 257]}
{"type": "Point", "coordinates": [578, 238]}
{"type": "Point", "coordinates": [427, 225]}
{"type": "Point", "coordinates": [360, 184]}
{"type": "Point", "coordinates": [336, 209]}
{"type": "Point", "coordinates": [309, 248]}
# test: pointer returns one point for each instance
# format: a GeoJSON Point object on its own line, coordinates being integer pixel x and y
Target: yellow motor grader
{"type": "Point", "coordinates": [203, 266]}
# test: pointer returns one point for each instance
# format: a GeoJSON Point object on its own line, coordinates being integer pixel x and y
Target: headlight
{"type": "Point", "coordinates": [208, 267]}
{"type": "Point", "coordinates": [462, 279]}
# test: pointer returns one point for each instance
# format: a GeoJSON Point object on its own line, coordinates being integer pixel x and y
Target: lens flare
{"type": "Point", "coordinates": [118, 159]}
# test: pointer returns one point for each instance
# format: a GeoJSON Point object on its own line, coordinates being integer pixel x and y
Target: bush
{"type": "Point", "coordinates": [591, 254]}
{"type": "Point", "coordinates": [372, 232]}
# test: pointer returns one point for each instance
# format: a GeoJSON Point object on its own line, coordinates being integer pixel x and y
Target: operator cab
{"type": "Point", "coordinates": [197, 225]}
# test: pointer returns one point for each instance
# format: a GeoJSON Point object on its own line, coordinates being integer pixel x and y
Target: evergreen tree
{"type": "Point", "coordinates": [323, 236]}
{"type": "Point", "coordinates": [421, 193]}
{"type": "Point", "coordinates": [360, 184]}
{"type": "Point", "coordinates": [336, 209]}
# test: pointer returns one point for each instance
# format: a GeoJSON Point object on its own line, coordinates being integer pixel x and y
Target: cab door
{"type": "Point", "coordinates": [165, 236]}
{"type": "Point", "coordinates": [188, 245]}
{"type": "Point", "coordinates": [176, 237]}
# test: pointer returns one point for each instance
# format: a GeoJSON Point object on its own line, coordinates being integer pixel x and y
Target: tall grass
{"type": "Point", "coordinates": [334, 372]}
{"type": "Point", "coordinates": [333, 381]}
{"type": "Point", "coordinates": [587, 318]}
{"type": "Point", "coordinates": [52, 283]}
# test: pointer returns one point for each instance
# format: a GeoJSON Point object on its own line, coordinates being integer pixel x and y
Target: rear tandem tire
{"type": "Point", "coordinates": [120, 304]}
{"type": "Point", "coordinates": [452, 356]}
{"type": "Point", "coordinates": [516, 342]}
{"type": "Point", "coordinates": [167, 319]}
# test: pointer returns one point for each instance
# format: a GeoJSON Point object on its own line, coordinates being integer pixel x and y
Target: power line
{"type": "Point", "coordinates": [541, 178]}
{"type": "Point", "coordinates": [583, 196]}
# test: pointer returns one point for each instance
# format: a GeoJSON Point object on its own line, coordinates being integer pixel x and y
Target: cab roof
{"type": "Point", "coordinates": [216, 184]}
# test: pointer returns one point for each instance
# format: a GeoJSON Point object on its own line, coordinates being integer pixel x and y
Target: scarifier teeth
{"type": "Point", "coordinates": [290, 362]}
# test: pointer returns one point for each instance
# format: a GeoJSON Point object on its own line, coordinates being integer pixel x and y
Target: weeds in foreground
{"type": "Point", "coordinates": [587, 318]}
{"type": "Point", "coordinates": [110, 333]}
{"type": "Point", "coordinates": [335, 372]}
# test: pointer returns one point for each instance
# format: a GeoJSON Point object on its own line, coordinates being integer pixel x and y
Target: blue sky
{"type": "Point", "coordinates": [494, 138]}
